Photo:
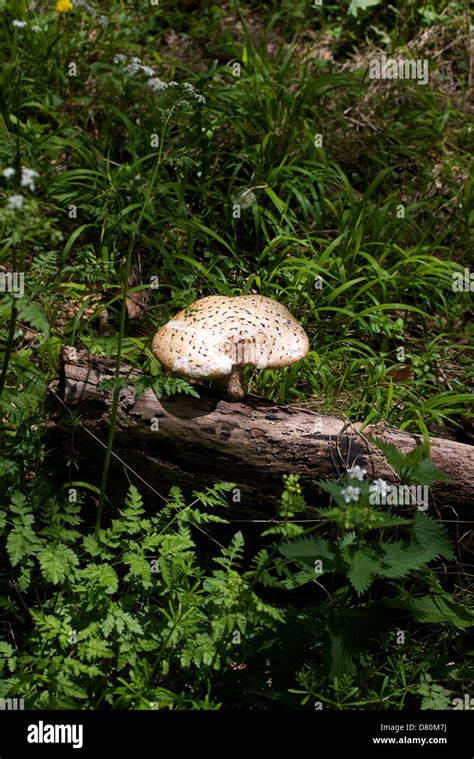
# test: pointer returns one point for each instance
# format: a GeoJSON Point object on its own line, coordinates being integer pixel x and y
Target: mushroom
{"type": "Point", "coordinates": [215, 337]}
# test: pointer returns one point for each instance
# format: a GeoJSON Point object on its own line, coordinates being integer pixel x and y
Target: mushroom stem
{"type": "Point", "coordinates": [233, 385]}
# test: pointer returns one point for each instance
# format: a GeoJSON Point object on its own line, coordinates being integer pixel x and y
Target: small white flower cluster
{"type": "Point", "coordinates": [27, 178]}
{"type": "Point", "coordinates": [15, 202]}
{"type": "Point", "coordinates": [356, 472]}
{"type": "Point", "coordinates": [21, 24]}
{"type": "Point", "coordinates": [157, 85]}
{"type": "Point", "coordinates": [350, 493]}
{"type": "Point", "coordinates": [133, 65]}
{"type": "Point", "coordinates": [103, 20]}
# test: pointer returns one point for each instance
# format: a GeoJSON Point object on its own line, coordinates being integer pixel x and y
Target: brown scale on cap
{"type": "Point", "coordinates": [215, 337]}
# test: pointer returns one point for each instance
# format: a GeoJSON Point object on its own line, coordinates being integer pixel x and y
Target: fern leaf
{"type": "Point", "coordinates": [56, 562]}
{"type": "Point", "coordinates": [32, 313]}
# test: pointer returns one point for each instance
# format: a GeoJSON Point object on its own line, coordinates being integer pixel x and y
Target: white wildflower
{"type": "Point", "coordinates": [119, 58]}
{"type": "Point", "coordinates": [19, 24]}
{"type": "Point", "coordinates": [157, 85]}
{"type": "Point", "coordinates": [200, 98]}
{"type": "Point", "coordinates": [350, 493]}
{"type": "Point", "coordinates": [9, 172]}
{"type": "Point", "coordinates": [27, 178]}
{"type": "Point", "coordinates": [132, 68]}
{"type": "Point", "coordinates": [15, 202]}
{"type": "Point", "coordinates": [356, 472]}
{"type": "Point", "coordinates": [173, 84]}
{"type": "Point", "coordinates": [148, 71]}
{"type": "Point", "coordinates": [136, 60]}
{"type": "Point", "coordinates": [36, 28]}
{"type": "Point", "coordinates": [188, 86]}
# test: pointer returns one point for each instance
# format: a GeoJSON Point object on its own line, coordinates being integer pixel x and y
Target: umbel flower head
{"type": "Point", "coordinates": [64, 6]}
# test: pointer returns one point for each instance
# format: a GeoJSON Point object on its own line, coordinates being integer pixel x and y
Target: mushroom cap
{"type": "Point", "coordinates": [210, 337]}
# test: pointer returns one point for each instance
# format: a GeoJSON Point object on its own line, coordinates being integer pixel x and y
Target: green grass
{"type": "Point", "coordinates": [356, 213]}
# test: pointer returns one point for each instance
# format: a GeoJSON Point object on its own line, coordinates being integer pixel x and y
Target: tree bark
{"type": "Point", "coordinates": [194, 442]}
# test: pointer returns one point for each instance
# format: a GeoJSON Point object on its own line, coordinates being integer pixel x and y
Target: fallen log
{"type": "Point", "coordinates": [193, 442]}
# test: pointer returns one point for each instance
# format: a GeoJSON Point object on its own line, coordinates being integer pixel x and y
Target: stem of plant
{"type": "Point", "coordinates": [123, 312]}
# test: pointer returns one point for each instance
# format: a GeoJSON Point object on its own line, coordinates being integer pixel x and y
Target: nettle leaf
{"type": "Point", "coordinates": [307, 550]}
{"type": "Point", "coordinates": [296, 579]}
{"type": "Point", "coordinates": [427, 473]}
{"type": "Point", "coordinates": [340, 655]}
{"type": "Point", "coordinates": [414, 466]}
{"type": "Point", "coordinates": [362, 568]}
{"type": "Point", "coordinates": [348, 539]}
{"type": "Point", "coordinates": [333, 488]}
{"type": "Point", "coordinates": [394, 456]}
{"type": "Point", "coordinates": [398, 559]}
{"type": "Point", "coordinates": [415, 456]}
{"type": "Point", "coordinates": [435, 608]}
{"type": "Point", "coordinates": [57, 562]}
{"type": "Point", "coordinates": [432, 537]}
